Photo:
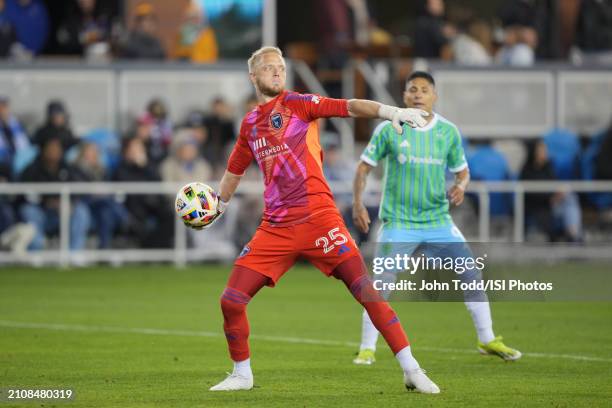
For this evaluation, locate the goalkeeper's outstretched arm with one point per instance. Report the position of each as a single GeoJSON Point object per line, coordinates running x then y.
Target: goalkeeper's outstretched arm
{"type": "Point", "coordinates": [362, 108]}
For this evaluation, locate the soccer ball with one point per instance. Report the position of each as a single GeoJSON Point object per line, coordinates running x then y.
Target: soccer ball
{"type": "Point", "coordinates": [196, 204]}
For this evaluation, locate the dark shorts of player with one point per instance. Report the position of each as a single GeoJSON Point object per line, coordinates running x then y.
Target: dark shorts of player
{"type": "Point", "coordinates": [323, 240]}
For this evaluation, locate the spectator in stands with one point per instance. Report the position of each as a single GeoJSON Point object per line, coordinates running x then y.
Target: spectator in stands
{"type": "Point", "coordinates": [12, 137]}
{"type": "Point", "coordinates": [7, 213]}
{"type": "Point", "coordinates": [518, 49]}
{"type": "Point", "coordinates": [43, 211]}
{"type": "Point", "coordinates": [196, 41]}
{"type": "Point", "coordinates": [85, 29]}
{"type": "Point", "coordinates": [151, 218]}
{"type": "Point", "coordinates": [195, 123]}
{"type": "Point", "coordinates": [558, 214]}
{"type": "Point", "coordinates": [13, 235]}
{"type": "Point", "coordinates": [603, 160]}
{"type": "Point", "coordinates": [154, 128]}
{"type": "Point", "coordinates": [107, 214]}
{"type": "Point", "coordinates": [488, 164]}
{"type": "Point", "coordinates": [184, 163]}
{"type": "Point", "coordinates": [473, 43]}
{"type": "Point", "coordinates": [8, 35]}
{"type": "Point", "coordinates": [142, 41]}
{"type": "Point", "coordinates": [519, 20]}
{"type": "Point", "coordinates": [333, 31]}
{"type": "Point", "coordinates": [594, 27]}
{"type": "Point", "coordinates": [31, 22]}
{"type": "Point", "coordinates": [220, 131]}
{"type": "Point", "coordinates": [432, 33]}
{"type": "Point", "coordinates": [57, 126]}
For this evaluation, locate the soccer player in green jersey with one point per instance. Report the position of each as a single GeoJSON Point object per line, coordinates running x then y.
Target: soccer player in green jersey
{"type": "Point", "coordinates": [415, 207]}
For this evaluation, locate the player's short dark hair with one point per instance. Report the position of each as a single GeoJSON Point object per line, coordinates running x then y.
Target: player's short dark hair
{"type": "Point", "coordinates": [422, 74]}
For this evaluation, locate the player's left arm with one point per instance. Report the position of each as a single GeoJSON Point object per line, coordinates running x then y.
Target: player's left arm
{"type": "Point", "coordinates": [362, 108]}
{"type": "Point", "coordinates": [458, 165]}
{"type": "Point", "coordinates": [312, 107]}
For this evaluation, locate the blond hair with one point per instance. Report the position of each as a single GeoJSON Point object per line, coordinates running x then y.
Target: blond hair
{"type": "Point", "coordinates": [257, 55]}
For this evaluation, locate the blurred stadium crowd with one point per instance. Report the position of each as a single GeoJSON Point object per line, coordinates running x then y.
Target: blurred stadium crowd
{"type": "Point", "coordinates": [517, 32]}
{"type": "Point", "coordinates": [196, 147]}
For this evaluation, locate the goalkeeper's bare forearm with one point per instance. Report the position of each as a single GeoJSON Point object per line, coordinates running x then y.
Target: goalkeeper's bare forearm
{"type": "Point", "coordinates": [228, 185]}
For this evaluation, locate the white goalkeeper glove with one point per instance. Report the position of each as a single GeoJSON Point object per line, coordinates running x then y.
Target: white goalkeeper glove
{"type": "Point", "coordinates": [413, 117]}
{"type": "Point", "coordinates": [221, 206]}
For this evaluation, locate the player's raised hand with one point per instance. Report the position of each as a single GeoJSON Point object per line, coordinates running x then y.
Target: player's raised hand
{"type": "Point", "coordinates": [413, 117]}
{"type": "Point", "coordinates": [221, 206]}
{"type": "Point", "coordinates": [361, 218]}
{"type": "Point", "coordinates": [398, 116]}
{"type": "Point", "coordinates": [456, 194]}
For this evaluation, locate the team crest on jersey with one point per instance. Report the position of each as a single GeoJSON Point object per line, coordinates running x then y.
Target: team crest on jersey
{"type": "Point", "coordinates": [276, 120]}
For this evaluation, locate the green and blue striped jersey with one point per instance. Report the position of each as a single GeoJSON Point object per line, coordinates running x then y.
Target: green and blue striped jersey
{"type": "Point", "coordinates": [415, 162]}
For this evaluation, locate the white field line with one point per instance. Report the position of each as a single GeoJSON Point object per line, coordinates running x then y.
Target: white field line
{"type": "Point", "coordinates": [281, 339]}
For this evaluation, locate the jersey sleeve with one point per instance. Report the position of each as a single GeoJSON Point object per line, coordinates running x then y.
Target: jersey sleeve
{"type": "Point", "coordinates": [377, 148]}
{"type": "Point", "coordinates": [310, 106]}
{"type": "Point", "coordinates": [456, 156]}
{"type": "Point", "coordinates": [241, 156]}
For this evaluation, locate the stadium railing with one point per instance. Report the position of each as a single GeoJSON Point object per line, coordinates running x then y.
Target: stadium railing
{"type": "Point", "coordinates": [180, 255]}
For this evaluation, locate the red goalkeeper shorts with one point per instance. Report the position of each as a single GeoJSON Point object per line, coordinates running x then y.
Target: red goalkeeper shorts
{"type": "Point", "coordinates": [324, 241]}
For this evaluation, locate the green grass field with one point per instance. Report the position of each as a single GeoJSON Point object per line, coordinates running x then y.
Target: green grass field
{"type": "Point", "coordinates": [150, 336]}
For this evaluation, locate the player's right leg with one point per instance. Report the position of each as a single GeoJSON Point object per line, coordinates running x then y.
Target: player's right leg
{"type": "Point", "coordinates": [369, 333]}
{"type": "Point", "coordinates": [243, 284]}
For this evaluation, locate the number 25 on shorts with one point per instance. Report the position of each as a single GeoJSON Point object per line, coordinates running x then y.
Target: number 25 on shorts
{"type": "Point", "coordinates": [335, 238]}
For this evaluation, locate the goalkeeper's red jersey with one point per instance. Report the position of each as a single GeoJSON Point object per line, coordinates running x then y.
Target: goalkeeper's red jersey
{"type": "Point", "coordinates": [283, 137]}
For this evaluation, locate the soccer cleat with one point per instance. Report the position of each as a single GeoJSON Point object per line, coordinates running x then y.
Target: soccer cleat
{"type": "Point", "coordinates": [234, 382]}
{"type": "Point", "coordinates": [417, 380]}
{"type": "Point", "coordinates": [497, 347]}
{"type": "Point", "coordinates": [365, 357]}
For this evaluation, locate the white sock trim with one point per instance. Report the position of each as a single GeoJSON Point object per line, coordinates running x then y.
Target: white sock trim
{"type": "Point", "coordinates": [243, 368]}
{"type": "Point", "coordinates": [406, 360]}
